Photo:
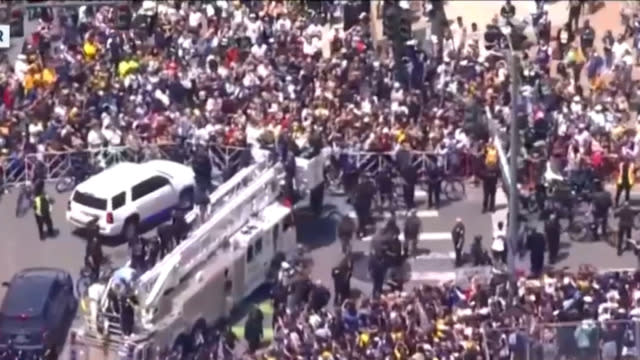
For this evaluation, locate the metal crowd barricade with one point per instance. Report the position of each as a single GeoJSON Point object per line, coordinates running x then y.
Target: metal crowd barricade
{"type": "Point", "coordinates": [15, 169]}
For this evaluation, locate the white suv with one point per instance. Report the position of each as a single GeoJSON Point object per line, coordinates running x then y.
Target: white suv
{"type": "Point", "coordinates": [129, 198]}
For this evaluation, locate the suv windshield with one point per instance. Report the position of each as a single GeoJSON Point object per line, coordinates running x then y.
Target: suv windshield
{"type": "Point", "coordinates": [89, 200]}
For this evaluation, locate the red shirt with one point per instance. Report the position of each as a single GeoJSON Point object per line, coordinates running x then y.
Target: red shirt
{"type": "Point", "coordinates": [7, 98]}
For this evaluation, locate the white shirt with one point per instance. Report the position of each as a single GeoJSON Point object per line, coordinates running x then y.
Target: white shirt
{"type": "Point", "coordinates": [284, 24]}
{"type": "Point", "coordinates": [94, 139]}
{"type": "Point", "coordinates": [258, 50]}
{"type": "Point", "coordinates": [498, 240]}
{"type": "Point", "coordinates": [254, 28]}
{"type": "Point", "coordinates": [35, 129]}
{"type": "Point", "coordinates": [112, 135]}
{"type": "Point", "coordinates": [196, 19]}
{"type": "Point", "coordinates": [619, 48]}
{"type": "Point", "coordinates": [20, 69]}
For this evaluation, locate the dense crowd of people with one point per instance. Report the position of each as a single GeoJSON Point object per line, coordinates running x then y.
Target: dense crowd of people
{"type": "Point", "coordinates": [268, 74]}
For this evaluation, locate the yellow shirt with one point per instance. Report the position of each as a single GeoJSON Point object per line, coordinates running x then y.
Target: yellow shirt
{"type": "Point", "coordinates": [48, 76]}
{"type": "Point", "coordinates": [90, 50]}
{"type": "Point", "coordinates": [29, 82]}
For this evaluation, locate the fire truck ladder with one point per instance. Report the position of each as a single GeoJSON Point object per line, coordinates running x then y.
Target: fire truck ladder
{"type": "Point", "coordinates": [232, 205]}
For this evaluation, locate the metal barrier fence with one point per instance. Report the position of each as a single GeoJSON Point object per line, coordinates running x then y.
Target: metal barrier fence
{"type": "Point", "coordinates": [15, 170]}
{"type": "Point", "coordinates": [18, 169]}
{"type": "Point", "coordinates": [583, 340]}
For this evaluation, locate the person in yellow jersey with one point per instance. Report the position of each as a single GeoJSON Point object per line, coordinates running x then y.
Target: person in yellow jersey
{"type": "Point", "coordinates": [90, 49]}
{"type": "Point", "coordinates": [625, 181]}
{"type": "Point", "coordinates": [42, 210]}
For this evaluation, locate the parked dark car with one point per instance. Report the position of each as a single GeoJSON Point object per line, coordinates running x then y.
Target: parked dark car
{"type": "Point", "coordinates": [37, 311]}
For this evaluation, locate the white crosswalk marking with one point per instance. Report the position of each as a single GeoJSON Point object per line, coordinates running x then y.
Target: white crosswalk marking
{"type": "Point", "coordinates": [425, 236]}
{"type": "Point", "coordinates": [422, 214]}
{"type": "Point", "coordinates": [435, 256]}
{"type": "Point", "coordinates": [420, 194]}
{"type": "Point", "coordinates": [433, 276]}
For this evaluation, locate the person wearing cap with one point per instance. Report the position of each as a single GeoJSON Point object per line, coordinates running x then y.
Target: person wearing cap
{"type": "Point", "coordinates": [346, 228]}
{"type": "Point", "coordinates": [42, 210]}
{"type": "Point", "coordinates": [625, 215]}
{"type": "Point", "coordinates": [499, 244]}
{"type": "Point", "coordinates": [341, 275]}
{"type": "Point", "coordinates": [552, 234]}
{"type": "Point", "coordinates": [602, 201]}
{"type": "Point", "coordinates": [434, 175]}
{"type": "Point", "coordinates": [93, 255]}
{"type": "Point", "coordinates": [536, 245]}
{"type": "Point", "coordinates": [457, 236]}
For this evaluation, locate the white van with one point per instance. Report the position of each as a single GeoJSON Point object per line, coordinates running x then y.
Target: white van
{"type": "Point", "coordinates": [128, 197]}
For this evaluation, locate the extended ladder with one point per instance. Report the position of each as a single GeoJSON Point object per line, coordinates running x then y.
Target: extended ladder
{"type": "Point", "coordinates": [232, 205]}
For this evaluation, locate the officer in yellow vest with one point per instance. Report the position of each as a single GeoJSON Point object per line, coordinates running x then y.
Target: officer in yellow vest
{"type": "Point", "coordinates": [626, 179]}
{"type": "Point", "coordinates": [42, 209]}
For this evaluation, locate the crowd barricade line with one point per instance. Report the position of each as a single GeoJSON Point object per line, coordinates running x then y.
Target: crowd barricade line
{"type": "Point", "coordinates": [16, 169]}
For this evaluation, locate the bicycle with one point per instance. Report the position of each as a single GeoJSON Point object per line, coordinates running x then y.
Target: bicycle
{"type": "Point", "coordinates": [584, 230]}
{"type": "Point", "coordinates": [86, 278]}
{"type": "Point", "coordinates": [73, 177]}
{"type": "Point", "coordinates": [453, 189]}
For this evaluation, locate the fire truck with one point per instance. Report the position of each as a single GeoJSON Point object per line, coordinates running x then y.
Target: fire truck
{"type": "Point", "coordinates": [222, 261]}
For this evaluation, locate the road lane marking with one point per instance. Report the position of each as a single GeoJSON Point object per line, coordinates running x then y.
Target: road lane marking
{"type": "Point", "coordinates": [425, 236]}
{"type": "Point", "coordinates": [422, 214]}
{"type": "Point", "coordinates": [433, 276]}
{"type": "Point", "coordinates": [436, 255]}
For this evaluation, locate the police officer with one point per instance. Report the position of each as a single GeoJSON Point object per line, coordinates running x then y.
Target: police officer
{"type": "Point", "coordinates": [457, 235]}
{"type": "Point", "coordinates": [179, 225]}
{"type": "Point", "coordinates": [153, 250]}
{"type": "Point", "coordinates": [434, 184]}
{"type": "Point", "coordinates": [587, 37]}
{"type": "Point", "coordinates": [93, 255]}
{"type": "Point", "coordinates": [138, 254]}
{"type": "Point", "coordinates": [477, 252]}
{"type": "Point", "coordinates": [362, 204]}
{"type": "Point", "coordinates": [378, 271]}
{"type": "Point", "coordinates": [201, 166]}
{"type": "Point", "coordinates": [391, 229]}
{"type": "Point", "coordinates": [42, 210]}
{"type": "Point", "coordinates": [384, 182]}
{"type": "Point", "coordinates": [127, 304]}
{"type": "Point", "coordinates": [536, 245]}
{"type": "Point", "coordinates": [625, 215]}
{"type": "Point", "coordinates": [489, 187]}
{"type": "Point", "coordinates": [341, 275]}
{"type": "Point", "coordinates": [290, 176]}
{"type": "Point", "coordinates": [552, 233]}
{"type": "Point", "coordinates": [165, 239]}
{"type": "Point", "coordinates": [253, 328]}
{"type": "Point", "coordinates": [346, 227]}
{"type": "Point", "coordinates": [626, 178]}
{"type": "Point", "coordinates": [602, 202]}
{"type": "Point", "coordinates": [508, 11]}
{"type": "Point", "coordinates": [410, 177]}
{"type": "Point", "coordinates": [411, 231]}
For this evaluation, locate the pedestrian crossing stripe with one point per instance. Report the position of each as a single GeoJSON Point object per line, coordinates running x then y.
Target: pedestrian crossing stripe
{"type": "Point", "coordinates": [437, 255]}
{"type": "Point", "coordinates": [423, 214]}
{"type": "Point", "coordinates": [433, 276]}
{"type": "Point", "coordinates": [425, 236]}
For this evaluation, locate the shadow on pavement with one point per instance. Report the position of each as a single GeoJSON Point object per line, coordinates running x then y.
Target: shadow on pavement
{"type": "Point", "coordinates": [315, 232]}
